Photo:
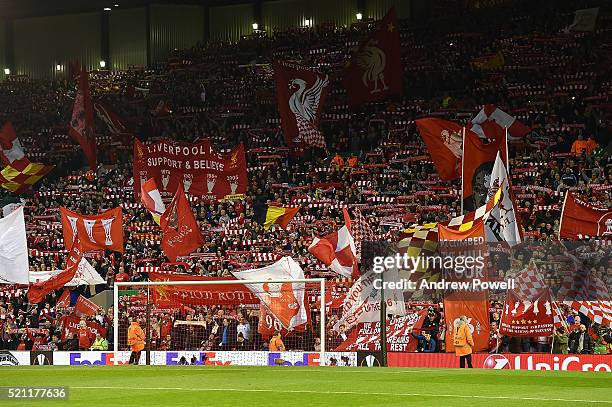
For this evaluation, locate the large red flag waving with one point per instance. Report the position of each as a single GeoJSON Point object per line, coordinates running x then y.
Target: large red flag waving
{"type": "Point", "coordinates": [300, 93]}
{"type": "Point", "coordinates": [38, 291]}
{"type": "Point", "coordinates": [81, 127]}
{"type": "Point", "coordinates": [443, 139]}
{"type": "Point", "coordinates": [478, 161]}
{"type": "Point", "coordinates": [374, 71]}
{"type": "Point", "coordinates": [581, 219]}
{"type": "Point", "coordinates": [181, 232]}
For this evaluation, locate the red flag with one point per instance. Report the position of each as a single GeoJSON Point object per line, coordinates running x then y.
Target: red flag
{"type": "Point", "coordinates": [38, 291]}
{"type": "Point", "coordinates": [374, 71]}
{"type": "Point", "coordinates": [443, 139]}
{"type": "Point", "coordinates": [529, 309]}
{"type": "Point", "coordinates": [301, 93]}
{"type": "Point", "coordinates": [81, 127]}
{"type": "Point", "coordinates": [478, 161]}
{"type": "Point", "coordinates": [181, 231]}
{"type": "Point", "coordinates": [337, 250]}
{"type": "Point", "coordinates": [64, 300]}
{"type": "Point", "coordinates": [115, 123]}
{"type": "Point", "coordinates": [477, 313]}
{"type": "Point", "coordinates": [581, 219]}
{"type": "Point", "coordinates": [85, 307]}
{"type": "Point", "coordinates": [101, 231]}
{"type": "Point", "coordinates": [492, 122]}
{"type": "Point", "coordinates": [11, 151]}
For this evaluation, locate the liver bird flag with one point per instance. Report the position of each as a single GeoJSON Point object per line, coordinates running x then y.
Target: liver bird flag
{"type": "Point", "coordinates": [300, 93]}
{"type": "Point", "coordinates": [374, 71]}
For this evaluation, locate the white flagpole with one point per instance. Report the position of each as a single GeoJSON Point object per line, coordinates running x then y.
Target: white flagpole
{"type": "Point", "coordinates": [562, 211]}
{"type": "Point", "coordinates": [462, 169]}
{"type": "Point", "coordinates": [507, 154]}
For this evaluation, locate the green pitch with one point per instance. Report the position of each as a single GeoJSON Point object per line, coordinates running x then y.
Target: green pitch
{"type": "Point", "coordinates": [101, 386]}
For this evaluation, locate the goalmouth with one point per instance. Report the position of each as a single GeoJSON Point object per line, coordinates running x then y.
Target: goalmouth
{"type": "Point", "coordinates": [192, 319]}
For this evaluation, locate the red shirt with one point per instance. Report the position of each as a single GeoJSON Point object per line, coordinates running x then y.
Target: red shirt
{"type": "Point", "coordinates": [85, 338]}
{"type": "Point", "coordinates": [121, 277]}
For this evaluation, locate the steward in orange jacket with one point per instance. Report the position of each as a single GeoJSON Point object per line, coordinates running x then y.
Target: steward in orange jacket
{"type": "Point", "coordinates": [136, 339]}
{"type": "Point", "coordinates": [462, 338]}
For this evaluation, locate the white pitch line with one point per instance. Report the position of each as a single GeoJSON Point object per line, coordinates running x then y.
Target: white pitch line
{"type": "Point", "coordinates": [356, 393]}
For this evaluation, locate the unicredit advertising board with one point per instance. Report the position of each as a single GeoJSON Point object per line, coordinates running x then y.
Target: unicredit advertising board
{"type": "Point", "coordinates": [523, 361]}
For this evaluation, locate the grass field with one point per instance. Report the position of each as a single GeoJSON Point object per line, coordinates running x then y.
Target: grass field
{"type": "Point", "coordinates": [101, 386]}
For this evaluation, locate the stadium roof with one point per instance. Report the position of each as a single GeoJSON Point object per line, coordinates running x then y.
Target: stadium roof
{"type": "Point", "coordinates": [31, 8]}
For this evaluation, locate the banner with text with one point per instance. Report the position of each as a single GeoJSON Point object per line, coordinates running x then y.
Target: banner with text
{"type": "Point", "coordinates": [202, 170]}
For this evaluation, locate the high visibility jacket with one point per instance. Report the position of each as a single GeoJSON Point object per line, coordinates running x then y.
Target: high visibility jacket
{"type": "Point", "coordinates": [462, 338]}
{"type": "Point", "coordinates": [136, 337]}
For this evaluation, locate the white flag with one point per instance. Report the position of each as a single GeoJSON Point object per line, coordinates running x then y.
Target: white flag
{"type": "Point", "coordinates": [501, 225]}
{"type": "Point", "coordinates": [14, 264]}
{"type": "Point", "coordinates": [362, 302]}
{"type": "Point", "coordinates": [85, 275]}
{"type": "Point", "coordinates": [284, 300]}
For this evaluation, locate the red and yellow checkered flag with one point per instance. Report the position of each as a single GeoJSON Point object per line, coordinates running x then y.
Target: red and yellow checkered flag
{"type": "Point", "coordinates": [18, 181]}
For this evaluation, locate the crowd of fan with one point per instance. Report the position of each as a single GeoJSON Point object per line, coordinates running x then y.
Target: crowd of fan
{"type": "Point", "coordinates": [556, 82]}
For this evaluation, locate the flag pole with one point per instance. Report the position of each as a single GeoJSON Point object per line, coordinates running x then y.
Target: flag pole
{"type": "Point", "coordinates": [561, 216]}
{"type": "Point", "coordinates": [507, 153]}
{"type": "Point", "coordinates": [462, 161]}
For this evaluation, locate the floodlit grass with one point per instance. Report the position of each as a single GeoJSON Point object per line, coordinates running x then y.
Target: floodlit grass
{"type": "Point", "coordinates": [100, 386]}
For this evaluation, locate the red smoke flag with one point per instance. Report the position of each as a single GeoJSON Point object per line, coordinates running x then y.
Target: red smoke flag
{"type": "Point", "coordinates": [102, 231]}
{"type": "Point", "coordinates": [337, 250]}
{"type": "Point", "coordinates": [301, 93]}
{"type": "Point", "coordinates": [81, 126]}
{"type": "Point", "coordinates": [492, 122]}
{"type": "Point", "coordinates": [477, 164]}
{"type": "Point", "coordinates": [443, 139]}
{"type": "Point", "coordinates": [581, 219]}
{"type": "Point", "coordinates": [11, 151]}
{"type": "Point", "coordinates": [84, 306]}
{"type": "Point", "coordinates": [181, 231]}
{"type": "Point", "coordinates": [38, 291]}
{"type": "Point", "coordinates": [374, 71]}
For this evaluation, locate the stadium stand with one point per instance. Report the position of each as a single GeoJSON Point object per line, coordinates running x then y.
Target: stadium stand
{"type": "Point", "coordinates": [555, 81]}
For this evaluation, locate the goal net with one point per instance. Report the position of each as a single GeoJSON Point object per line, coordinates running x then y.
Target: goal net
{"type": "Point", "coordinates": [222, 322]}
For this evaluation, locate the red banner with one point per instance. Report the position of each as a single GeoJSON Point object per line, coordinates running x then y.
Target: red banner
{"type": "Point", "coordinates": [300, 93]}
{"type": "Point", "coordinates": [201, 170]}
{"type": "Point", "coordinates": [527, 318]}
{"type": "Point", "coordinates": [581, 219]}
{"type": "Point", "coordinates": [207, 294]}
{"type": "Point", "coordinates": [85, 307]}
{"type": "Point", "coordinates": [102, 231]}
{"type": "Point", "coordinates": [477, 313]}
{"type": "Point", "coordinates": [366, 336]}
{"type": "Point", "coordinates": [81, 127]}
{"type": "Point", "coordinates": [374, 71]}
{"type": "Point", "coordinates": [71, 326]}
{"type": "Point", "coordinates": [524, 361]}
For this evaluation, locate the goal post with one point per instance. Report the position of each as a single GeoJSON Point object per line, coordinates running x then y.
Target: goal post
{"type": "Point", "coordinates": [147, 291]}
